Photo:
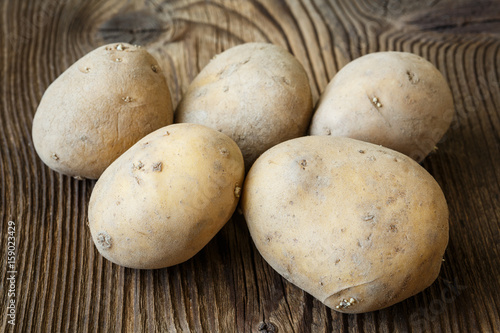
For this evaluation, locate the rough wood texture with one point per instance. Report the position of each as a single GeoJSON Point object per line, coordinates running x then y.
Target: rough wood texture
{"type": "Point", "coordinates": [63, 285]}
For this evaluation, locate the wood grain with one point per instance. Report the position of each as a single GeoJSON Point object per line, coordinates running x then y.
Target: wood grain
{"type": "Point", "coordinates": [64, 285]}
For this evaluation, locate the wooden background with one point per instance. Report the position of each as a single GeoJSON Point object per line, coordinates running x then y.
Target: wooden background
{"type": "Point", "coordinates": [63, 285]}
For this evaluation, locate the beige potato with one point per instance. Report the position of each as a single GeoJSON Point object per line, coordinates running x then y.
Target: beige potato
{"type": "Point", "coordinates": [98, 108]}
{"type": "Point", "coordinates": [395, 99]}
{"type": "Point", "coordinates": [358, 226]}
{"type": "Point", "coordinates": [162, 201]}
{"type": "Point", "coordinates": [258, 94]}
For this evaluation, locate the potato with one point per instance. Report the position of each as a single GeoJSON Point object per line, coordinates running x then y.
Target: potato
{"type": "Point", "coordinates": [258, 94]}
{"type": "Point", "coordinates": [162, 201]}
{"type": "Point", "coordinates": [98, 108]}
{"type": "Point", "coordinates": [358, 226]}
{"type": "Point", "coordinates": [395, 99]}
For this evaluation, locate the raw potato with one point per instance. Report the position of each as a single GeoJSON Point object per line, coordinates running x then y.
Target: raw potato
{"type": "Point", "coordinates": [100, 107]}
{"type": "Point", "coordinates": [163, 200]}
{"type": "Point", "coordinates": [258, 94]}
{"type": "Point", "coordinates": [358, 226]}
{"type": "Point", "coordinates": [395, 99]}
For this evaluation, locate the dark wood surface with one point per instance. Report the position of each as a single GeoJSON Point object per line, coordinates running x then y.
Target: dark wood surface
{"type": "Point", "coordinates": [64, 285]}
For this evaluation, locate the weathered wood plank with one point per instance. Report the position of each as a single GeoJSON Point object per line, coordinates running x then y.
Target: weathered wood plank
{"type": "Point", "coordinates": [64, 285]}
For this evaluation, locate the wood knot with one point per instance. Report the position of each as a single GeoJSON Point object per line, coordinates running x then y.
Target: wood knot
{"type": "Point", "coordinates": [139, 27]}
{"type": "Point", "coordinates": [264, 327]}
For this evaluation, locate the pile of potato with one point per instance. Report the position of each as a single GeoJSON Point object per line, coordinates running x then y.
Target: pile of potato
{"type": "Point", "coordinates": [346, 213]}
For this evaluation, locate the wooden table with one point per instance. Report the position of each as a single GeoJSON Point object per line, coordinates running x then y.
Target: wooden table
{"type": "Point", "coordinates": [64, 285]}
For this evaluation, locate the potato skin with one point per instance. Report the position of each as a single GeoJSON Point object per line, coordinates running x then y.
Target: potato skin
{"type": "Point", "coordinates": [98, 108]}
{"type": "Point", "coordinates": [343, 219]}
{"type": "Point", "coordinates": [258, 94]}
{"type": "Point", "coordinates": [162, 201]}
{"type": "Point", "coordinates": [395, 99]}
